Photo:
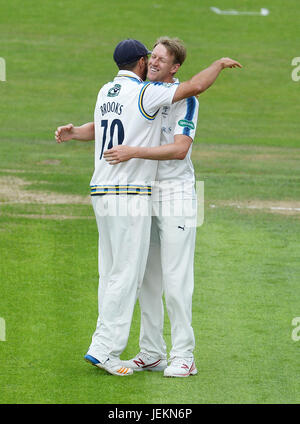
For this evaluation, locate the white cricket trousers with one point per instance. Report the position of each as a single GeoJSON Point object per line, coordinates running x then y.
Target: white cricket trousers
{"type": "Point", "coordinates": [169, 270]}
{"type": "Point", "coordinates": [123, 249]}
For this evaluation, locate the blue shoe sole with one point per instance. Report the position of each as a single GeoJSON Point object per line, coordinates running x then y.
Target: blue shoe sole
{"type": "Point", "coordinates": [91, 360]}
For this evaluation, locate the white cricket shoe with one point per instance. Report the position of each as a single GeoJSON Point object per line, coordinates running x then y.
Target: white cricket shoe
{"type": "Point", "coordinates": [144, 362]}
{"type": "Point", "coordinates": [181, 367]}
{"type": "Point", "coordinates": [114, 367]}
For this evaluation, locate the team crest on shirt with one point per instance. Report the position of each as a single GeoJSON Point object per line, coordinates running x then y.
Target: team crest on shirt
{"type": "Point", "coordinates": [186, 123]}
{"type": "Point", "coordinates": [165, 110]}
{"type": "Point", "coordinates": [114, 91]}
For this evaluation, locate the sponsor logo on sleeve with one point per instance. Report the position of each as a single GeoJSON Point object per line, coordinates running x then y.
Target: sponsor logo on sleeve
{"type": "Point", "coordinates": [186, 123]}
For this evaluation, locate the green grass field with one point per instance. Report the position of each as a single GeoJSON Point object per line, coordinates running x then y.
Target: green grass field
{"type": "Point", "coordinates": [247, 151]}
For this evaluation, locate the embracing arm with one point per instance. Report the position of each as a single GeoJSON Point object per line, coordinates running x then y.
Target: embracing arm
{"type": "Point", "coordinates": [176, 150]}
{"type": "Point", "coordinates": [68, 132]}
{"type": "Point", "coordinates": [204, 79]}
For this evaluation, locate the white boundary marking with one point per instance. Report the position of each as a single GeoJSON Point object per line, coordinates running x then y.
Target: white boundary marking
{"type": "Point", "coordinates": [262, 12]}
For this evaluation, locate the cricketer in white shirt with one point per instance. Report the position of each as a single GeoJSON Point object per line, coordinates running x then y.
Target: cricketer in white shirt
{"type": "Point", "coordinates": [170, 263]}
{"type": "Point", "coordinates": [127, 112]}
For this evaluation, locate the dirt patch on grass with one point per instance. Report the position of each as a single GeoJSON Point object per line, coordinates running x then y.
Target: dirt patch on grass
{"type": "Point", "coordinates": [283, 207]}
{"type": "Point", "coordinates": [13, 190]}
{"type": "Point", "coordinates": [52, 217]}
{"type": "Point", "coordinates": [49, 162]}
{"type": "Point", "coordinates": [13, 171]}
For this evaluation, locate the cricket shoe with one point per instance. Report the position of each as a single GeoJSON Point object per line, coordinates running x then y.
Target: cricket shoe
{"type": "Point", "coordinates": [113, 367]}
{"type": "Point", "coordinates": [145, 362]}
{"type": "Point", "coordinates": [181, 367]}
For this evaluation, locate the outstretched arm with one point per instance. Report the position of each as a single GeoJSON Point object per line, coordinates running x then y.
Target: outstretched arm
{"type": "Point", "coordinates": [68, 132]}
{"type": "Point", "coordinates": [204, 79]}
{"type": "Point", "coordinates": [176, 150]}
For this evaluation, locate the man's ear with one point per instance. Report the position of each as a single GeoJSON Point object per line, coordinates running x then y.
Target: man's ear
{"type": "Point", "coordinates": [175, 68]}
{"type": "Point", "coordinates": [142, 61]}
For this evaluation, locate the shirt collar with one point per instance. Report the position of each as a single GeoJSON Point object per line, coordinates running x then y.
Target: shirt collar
{"type": "Point", "coordinates": [124, 73]}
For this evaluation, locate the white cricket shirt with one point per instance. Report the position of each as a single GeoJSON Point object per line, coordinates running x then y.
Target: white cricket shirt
{"type": "Point", "coordinates": [128, 112]}
{"type": "Point", "coordinates": [175, 178]}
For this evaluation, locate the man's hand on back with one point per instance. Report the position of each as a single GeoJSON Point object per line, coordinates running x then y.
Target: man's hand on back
{"type": "Point", "coordinates": [119, 154]}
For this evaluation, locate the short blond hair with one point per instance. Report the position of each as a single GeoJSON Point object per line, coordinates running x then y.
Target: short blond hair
{"type": "Point", "coordinates": [174, 46]}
